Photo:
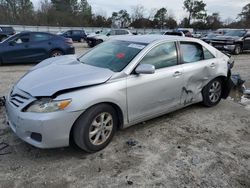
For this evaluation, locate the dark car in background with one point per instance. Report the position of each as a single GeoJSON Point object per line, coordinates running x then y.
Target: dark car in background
{"type": "Point", "coordinates": [75, 35]}
{"type": "Point", "coordinates": [233, 41]}
{"type": "Point", "coordinates": [5, 32]}
{"type": "Point", "coordinates": [31, 47]}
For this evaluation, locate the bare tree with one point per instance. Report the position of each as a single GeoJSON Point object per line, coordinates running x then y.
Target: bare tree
{"type": "Point", "coordinates": [138, 12]}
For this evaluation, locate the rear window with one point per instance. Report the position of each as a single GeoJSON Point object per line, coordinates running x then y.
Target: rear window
{"type": "Point", "coordinates": [114, 55]}
{"type": "Point", "coordinates": [191, 52]}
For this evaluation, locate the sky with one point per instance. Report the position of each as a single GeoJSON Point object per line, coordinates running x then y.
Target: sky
{"type": "Point", "coordinates": [226, 8]}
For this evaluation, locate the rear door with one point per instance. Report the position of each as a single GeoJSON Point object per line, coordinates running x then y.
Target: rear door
{"type": "Point", "coordinates": [151, 94]}
{"type": "Point", "coordinates": [41, 45]}
{"type": "Point", "coordinates": [199, 67]}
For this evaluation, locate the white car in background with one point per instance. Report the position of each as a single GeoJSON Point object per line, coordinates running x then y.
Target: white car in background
{"type": "Point", "coordinates": [94, 40]}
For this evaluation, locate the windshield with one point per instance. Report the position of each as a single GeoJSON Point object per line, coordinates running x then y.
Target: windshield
{"type": "Point", "coordinates": [236, 33]}
{"type": "Point", "coordinates": [114, 55]}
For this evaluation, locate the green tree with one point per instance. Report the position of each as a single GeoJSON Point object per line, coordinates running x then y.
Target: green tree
{"type": "Point", "coordinates": [120, 19]}
{"type": "Point", "coordinates": [171, 23]}
{"type": "Point", "coordinates": [85, 11]}
{"type": "Point", "coordinates": [161, 17]}
{"type": "Point", "coordinates": [245, 15]}
{"type": "Point", "coordinates": [213, 21]}
{"type": "Point", "coordinates": [25, 11]}
{"type": "Point", "coordinates": [195, 9]}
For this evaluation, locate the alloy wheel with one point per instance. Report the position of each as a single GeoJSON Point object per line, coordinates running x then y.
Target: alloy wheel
{"type": "Point", "coordinates": [215, 91]}
{"type": "Point", "coordinates": [101, 128]}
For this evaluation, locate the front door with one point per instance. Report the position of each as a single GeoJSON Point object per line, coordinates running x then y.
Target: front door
{"type": "Point", "coordinates": [19, 50]}
{"type": "Point", "coordinates": [246, 45]}
{"type": "Point", "coordinates": [151, 94]}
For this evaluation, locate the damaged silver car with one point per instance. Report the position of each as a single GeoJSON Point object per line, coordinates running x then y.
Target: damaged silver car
{"type": "Point", "coordinates": [117, 84]}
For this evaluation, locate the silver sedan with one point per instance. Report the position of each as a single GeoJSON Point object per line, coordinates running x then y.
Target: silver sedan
{"type": "Point", "coordinates": [117, 84]}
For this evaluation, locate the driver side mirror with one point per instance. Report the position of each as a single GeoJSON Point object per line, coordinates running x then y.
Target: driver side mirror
{"type": "Point", "coordinates": [108, 34]}
{"type": "Point", "coordinates": [145, 69]}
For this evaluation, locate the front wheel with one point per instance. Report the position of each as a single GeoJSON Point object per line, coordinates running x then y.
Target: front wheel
{"type": "Point", "coordinates": [95, 128]}
{"type": "Point", "coordinates": [237, 49]}
{"type": "Point", "coordinates": [212, 93]}
{"type": "Point", "coordinates": [56, 53]}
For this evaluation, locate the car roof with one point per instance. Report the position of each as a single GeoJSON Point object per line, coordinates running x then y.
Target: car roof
{"type": "Point", "coordinates": [152, 38]}
{"type": "Point", "coordinates": [35, 32]}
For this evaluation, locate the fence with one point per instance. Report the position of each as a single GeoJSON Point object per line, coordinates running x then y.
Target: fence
{"type": "Point", "coordinates": [52, 29]}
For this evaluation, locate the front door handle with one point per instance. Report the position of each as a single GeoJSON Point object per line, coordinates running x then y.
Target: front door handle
{"type": "Point", "coordinates": [177, 74]}
{"type": "Point", "coordinates": [213, 65]}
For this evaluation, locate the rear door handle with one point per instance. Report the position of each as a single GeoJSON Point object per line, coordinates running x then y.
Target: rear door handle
{"type": "Point", "coordinates": [177, 74]}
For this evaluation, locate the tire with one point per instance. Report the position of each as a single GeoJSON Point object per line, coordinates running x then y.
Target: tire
{"type": "Point", "coordinates": [91, 122]}
{"type": "Point", "coordinates": [99, 41]}
{"type": "Point", "coordinates": [56, 53]}
{"type": "Point", "coordinates": [237, 49]}
{"type": "Point", "coordinates": [212, 93]}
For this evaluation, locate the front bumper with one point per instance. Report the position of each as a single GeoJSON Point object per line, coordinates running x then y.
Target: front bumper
{"type": "Point", "coordinates": [225, 47]}
{"type": "Point", "coordinates": [53, 128]}
{"type": "Point", "coordinates": [70, 50]}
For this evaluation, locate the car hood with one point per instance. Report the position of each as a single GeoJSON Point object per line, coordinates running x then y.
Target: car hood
{"type": "Point", "coordinates": [61, 73]}
{"type": "Point", "coordinates": [226, 38]}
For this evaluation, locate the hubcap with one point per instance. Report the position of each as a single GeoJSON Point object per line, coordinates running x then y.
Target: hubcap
{"type": "Point", "coordinates": [101, 128]}
{"type": "Point", "coordinates": [215, 92]}
{"type": "Point", "coordinates": [55, 54]}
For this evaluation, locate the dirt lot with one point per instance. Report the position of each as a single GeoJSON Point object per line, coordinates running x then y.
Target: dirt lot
{"type": "Point", "coordinates": [193, 147]}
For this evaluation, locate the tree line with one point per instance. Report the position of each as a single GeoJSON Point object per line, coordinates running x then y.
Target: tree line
{"type": "Point", "coordinates": [80, 13]}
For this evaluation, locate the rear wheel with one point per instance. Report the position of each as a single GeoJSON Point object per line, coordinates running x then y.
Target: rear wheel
{"type": "Point", "coordinates": [237, 49]}
{"type": "Point", "coordinates": [56, 53]}
{"type": "Point", "coordinates": [212, 92]}
{"type": "Point", "coordinates": [95, 128]}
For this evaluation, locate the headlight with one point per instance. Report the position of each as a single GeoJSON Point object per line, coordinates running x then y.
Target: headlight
{"type": "Point", "coordinates": [230, 42]}
{"type": "Point", "coordinates": [46, 105]}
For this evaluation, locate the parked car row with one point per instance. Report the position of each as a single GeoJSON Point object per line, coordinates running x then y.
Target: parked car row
{"type": "Point", "coordinates": [100, 37]}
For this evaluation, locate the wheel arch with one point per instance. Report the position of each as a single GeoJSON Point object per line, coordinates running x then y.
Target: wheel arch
{"type": "Point", "coordinates": [226, 84]}
{"type": "Point", "coordinates": [117, 109]}
{"type": "Point", "coordinates": [54, 49]}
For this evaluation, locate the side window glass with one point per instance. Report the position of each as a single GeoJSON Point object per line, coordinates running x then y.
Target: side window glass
{"type": "Point", "coordinates": [22, 39]}
{"type": "Point", "coordinates": [207, 54]}
{"type": "Point", "coordinates": [117, 32]}
{"type": "Point", "coordinates": [191, 52]}
{"type": "Point", "coordinates": [164, 55]}
{"type": "Point", "coordinates": [76, 32]}
{"type": "Point", "coordinates": [40, 37]}
{"type": "Point", "coordinates": [112, 32]}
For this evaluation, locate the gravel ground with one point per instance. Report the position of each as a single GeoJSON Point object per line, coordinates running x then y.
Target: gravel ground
{"type": "Point", "coordinates": [192, 147]}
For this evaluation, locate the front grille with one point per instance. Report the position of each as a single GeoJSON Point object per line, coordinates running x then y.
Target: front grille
{"type": "Point", "coordinates": [19, 98]}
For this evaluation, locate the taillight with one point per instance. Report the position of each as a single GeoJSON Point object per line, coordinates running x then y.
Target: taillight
{"type": "Point", "coordinates": [69, 41]}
